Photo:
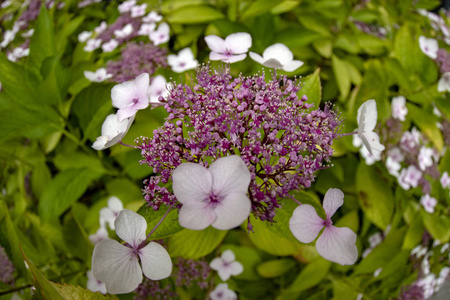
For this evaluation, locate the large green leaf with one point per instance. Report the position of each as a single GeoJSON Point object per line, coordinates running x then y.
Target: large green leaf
{"type": "Point", "coordinates": [168, 227]}
{"type": "Point", "coordinates": [53, 89]}
{"type": "Point", "coordinates": [403, 48]}
{"type": "Point", "coordinates": [426, 121]}
{"type": "Point", "coordinates": [275, 267]}
{"type": "Point", "coordinates": [342, 76]}
{"type": "Point", "coordinates": [437, 226]}
{"type": "Point", "coordinates": [259, 7]}
{"type": "Point", "coordinates": [194, 14]}
{"type": "Point", "coordinates": [312, 88]}
{"type": "Point", "coordinates": [70, 292]}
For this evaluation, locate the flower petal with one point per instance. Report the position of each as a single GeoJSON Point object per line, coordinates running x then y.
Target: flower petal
{"type": "Point", "coordinates": [116, 266]}
{"type": "Point", "coordinates": [236, 268]}
{"type": "Point", "coordinates": [115, 204]}
{"type": "Point", "coordinates": [338, 245]}
{"type": "Point", "coordinates": [230, 174]}
{"type": "Point", "coordinates": [122, 94]}
{"type": "Point", "coordinates": [215, 43]}
{"type": "Point", "coordinates": [256, 57]}
{"type": "Point", "coordinates": [191, 183]}
{"type": "Point", "coordinates": [334, 198]}
{"type": "Point", "coordinates": [196, 215]}
{"type": "Point", "coordinates": [232, 211]}
{"type": "Point", "coordinates": [305, 224]}
{"type": "Point", "coordinates": [367, 116]}
{"type": "Point", "coordinates": [156, 262]}
{"type": "Point", "coordinates": [279, 52]}
{"type": "Point", "coordinates": [131, 227]}
{"type": "Point", "coordinates": [292, 66]}
{"type": "Point", "coordinates": [228, 256]}
{"type": "Point", "coordinates": [372, 142]}
{"type": "Point", "coordinates": [238, 42]}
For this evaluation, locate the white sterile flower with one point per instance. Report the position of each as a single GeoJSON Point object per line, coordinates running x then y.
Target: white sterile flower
{"type": "Point", "coordinates": [84, 36]}
{"type": "Point", "coordinates": [157, 88]}
{"type": "Point", "coordinates": [184, 61]}
{"type": "Point", "coordinates": [444, 83]}
{"type": "Point", "coordinates": [110, 213]}
{"type": "Point", "coordinates": [98, 236]}
{"type": "Point", "coordinates": [425, 157]}
{"type": "Point", "coordinates": [409, 177]}
{"type": "Point", "coordinates": [160, 35]}
{"type": "Point", "coordinates": [226, 265]}
{"type": "Point", "coordinates": [429, 46]}
{"type": "Point", "coordinates": [152, 17]}
{"type": "Point", "coordinates": [126, 6]}
{"type": "Point", "coordinates": [146, 28]}
{"type": "Point", "coordinates": [277, 56]}
{"type": "Point", "coordinates": [445, 180]}
{"type": "Point", "coordinates": [393, 166]}
{"type": "Point", "coordinates": [216, 196]}
{"type": "Point", "coordinates": [367, 119]}
{"type": "Point", "coordinates": [428, 203]}
{"type": "Point", "coordinates": [399, 110]}
{"type": "Point", "coordinates": [110, 46]}
{"type": "Point", "coordinates": [98, 76]}
{"type": "Point", "coordinates": [370, 158]}
{"type": "Point", "coordinates": [8, 37]}
{"type": "Point", "coordinates": [120, 266]}
{"type": "Point", "coordinates": [234, 48]}
{"type": "Point", "coordinates": [375, 239]}
{"type": "Point", "coordinates": [130, 96]}
{"type": "Point", "coordinates": [92, 44]}
{"type": "Point", "coordinates": [113, 132]}
{"type": "Point", "coordinates": [29, 33]}
{"type": "Point", "coordinates": [95, 285]}
{"type": "Point", "coordinates": [5, 4]}
{"type": "Point", "coordinates": [124, 32]}
{"type": "Point", "coordinates": [336, 244]}
{"type": "Point", "coordinates": [18, 53]}
{"type": "Point", "coordinates": [100, 28]}
{"type": "Point", "coordinates": [396, 154]}
{"type": "Point", "coordinates": [138, 10]}
{"type": "Point", "coordinates": [377, 272]}
{"type": "Point", "coordinates": [222, 292]}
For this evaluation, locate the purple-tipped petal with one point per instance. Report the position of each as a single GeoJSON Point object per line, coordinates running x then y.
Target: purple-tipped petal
{"type": "Point", "coordinates": [232, 211]}
{"type": "Point", "coordinates": [196, 215]}
{"type": "Point", "coordinates": [131, 227]}
{"type": "Point", "coordinates": [156, 262]}
{"type": "Point", "coordinates": [191, 183]}
{"type": "Point", "coordinates": [334, 198]}
{"type": "Point", "coordinates": [305, 224]}
{"type": "Point", "coordinates": [338, 245]}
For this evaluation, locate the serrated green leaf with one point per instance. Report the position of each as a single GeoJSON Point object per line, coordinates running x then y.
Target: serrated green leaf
{"type": "Point", "coordinates": [194, 15]}
{"type": "Point", "coordinates": [312, 88]}
{"type": "Point", "coordinates": [275, 268]}
{"type": "Point", "coordinates": [168, 227]}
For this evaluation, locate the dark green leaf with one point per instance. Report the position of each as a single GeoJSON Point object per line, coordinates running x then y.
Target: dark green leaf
{"type": "Point", "coordinates": [312, 88]}
{"type": "Point", "coordinates": [194, 14]}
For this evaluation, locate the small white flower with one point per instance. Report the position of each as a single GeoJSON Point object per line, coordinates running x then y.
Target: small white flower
{"type": "Point", "coordinates": [110, 46]}
{"type": "Point", "coordinates": [399, 110]}
{"type": "Point", "coordinates": [5, 4]}
{"type": "Point", "coordinates": [84, 36]}
{"type": "Point", "coordinates": [375, 239]}
{"type": "Point", "coordinates": [409, 177]}
{"type": "Point", "coordinates": [29, 33]}
{"type": "Point", "coordinates": [8, 37]}
{"type": "Point", "coordinates": [226, 265]}
{"type": "Point", "coordinates": [393, 167]}
{"type": "Point", "coordinates": [138, 10]}
{"type": "Point", "coordinates": [160, 35]}
{"type": "Point", "coordinates": [113, 132]}
{"type": "Point", "coordinates": [445, 180]}
{"type": "Point", "coordinates": [183, 61]}
{"type": "Point", "coordinates": [146, 28]}
{"type": "Point", "coordinates": [109, 214]}
{"type": "Point", "coordinates": [152, 17]}
{"type": "Point", "coordinates": [100, 28]}
{"type": "Point", "coordinates": [444, 83]}
{"type": "Point", "coordinates": [97, 76]}
{"type": "Point", "coordinates": [124, 32]}
{"type": "Point", "coordinates": [126, 6]}
{"type": "Point", "coordinates": [429, 46]}
{"type": "Point", "coordinates": [95, 285]}
{"type": "Point", "coordinates": [222, 292]}
{"type": "Point", "coordinates": [99, 236]}
{"type": "Point", "coordinates": [425, 157]}
{"type": "Point", "coordinates": [277, 56]}
{"type": "Point", "coordinates": [157, 88]}
{"type": "Point", "coordinates": [377, 272]}
{"type": "Point", "coordinates": [367, 119]}
{"type": "Point", "coordinates": [120, 266]}
{"type": "Point", "coordinates": [428, 203]}
{"type": "Point", "coordinates": [92, 44]}
{"type": "Point", "coordinates": [18, 53]}
{"type": "Point", "coordinates": [370, 158]}
{"type": "Point", "coordinates": [234, 48]}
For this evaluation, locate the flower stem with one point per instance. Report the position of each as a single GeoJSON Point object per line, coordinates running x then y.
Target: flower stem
{"type": "Point", "coordinates": [159, 223]}
{"type": "Point", "coordinates": [126, 145]}
{"type": "Point", "coordinates": [348, 133]}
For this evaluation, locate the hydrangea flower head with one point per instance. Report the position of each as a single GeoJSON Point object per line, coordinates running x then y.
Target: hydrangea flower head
{"type": "Point", "coordinates": [226, 265]}
{"type": "Point", "coordinates": [367, 120]}
{"type": "Point", "coordinates": [113, 132]}
{"type": "Point", "coordinates": [429, 46]}
{"type": "Point", "coordinates": [120, 266]}
{"type": "Point", "coordinates": [232, 49]}
{"type": "Point", "coordinates": [336, 244]}
{"type": "Point", "coordinates": [277, 56]}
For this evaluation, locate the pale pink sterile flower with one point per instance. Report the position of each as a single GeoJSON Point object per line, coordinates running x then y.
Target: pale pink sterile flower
{"type": "Point", "coordinates": [157, 88]}
{"type": "Point", "coordinates": [445, 180]}
{"type": "Point", "coordinates": [231, 49]}
{"type": "Point", "coordinates": [100, 28]}
{"type": "Point", "coordinates": [146, 28]}
{"type": "Point", "coordinates": [409, 177]}
{"type": "Point", "coordinates": [124, 32]}
{"type": "Point", "coordinates": [425, 157]}
{"type": "Point", "coordinates": [399, 109]}
{"type": "Point", "coordinates": [97, 76]}
{"type": "Point", "coordinates": [226, 265]}
{"type": "Point", "coordinates": [138, 10]}
{"type": "Point", "coordinates": [222, 292]}
{"type": "Point", "coordinates": [109, 214]}
{"type": "Point", "coordinates": [113, 132]}
{"type": "Point", "coordinates": [184, 61]}
{"type": "Point", "coordinates": [367, 120]}
{"type": "Point", "coordinates": [8, 37]}
{"type": "Point", "coordinates": [216, 196]}
{"type": "Point", "coordinates": [429, 46]}
{"type": "Point", "coordinates": [126, 6]}
{"type": "Point", "coordinates": [428, 203]}
{"type": "Point", "coordinates": [130, 96]}
{"type": "Point", "coordinates": [98, 236]}
{"type": "Point", "coordinates": [120, 266]}
{"type": "Point", "coordinates": [84, 36]}
{"type": "Point", "coordinates": [152, 17]}
{"type": "Point", "coordinates": [28, 33]}
{"type": "Point", "coordinates": [277, 56]}
{"type": "Point", "coordinates": [92, 44]}
{"type": "Point", "coordinates": [17, 53]}
{"type": "Point", "coordinates": [336, 244]}
{"type": "Point", "coordinates": [160, 35]}
{"type": "Point", "coordinates": [110, 45]}
{"type": "Point", "coordinates": [393, 167]}
{"type": "Point", "coordinates": [444, 83]}
{"type": "Point", "coordinates": [95, 285]}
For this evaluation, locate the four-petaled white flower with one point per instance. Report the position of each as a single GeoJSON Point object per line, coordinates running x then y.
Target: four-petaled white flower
{"type": "Point", "coordinates": [216, 196]}
{"type": "Point", "coordinates": [100, 28]}
{"type": "Point", "coordinates": [277, 56]}
{"type": "Point", "coordinates": [428, 203]}
{"type": "Point", "coordinates": [409, 177]}
{"type": "Point", "coordinates": [110, 46]}
{"type": "Point", "coordinates": [97, 76]}
{"type": "Point", "coordinates": [367, 119]}
{"type": "Point", "coordinates": [98, 236]}
{"type": "Point", "coordinates": [226, 265]}
{"type": "Point", "coordinates": [113, 132]}
{"type": "Point", "coordinates": [336, 244]}
{"type": "Point", "coordinates": [95, 285]}
{"type": "Point", "coordinates": [138, 10]}
{"type": "Point", "coordinates": [152, 17]}
{"type": "Point", "coordinates": [445, 180]}
{"type": "Point", "coordinates": [399, 109]}
{"type": "Point", "coordinates": [130, 96]}
{"type": "Point", "coordinates": [109, 214]}
{"type": "Point", "coordinates": [92, 44]}
{"type": "Point", "coordinates": [160, 35]}
{"type": "Point", "coordinates": [126, 6]}
{"type": "Point", "coordinates": [222, 292]}
{"type": "Point", "coordinates": [157, 89]}
{"type": "Point", "coordinates": [183, 61]}
{"type": "Point", "coordinates": [444, 83]}
{"type": "Point", "coordinates": [234, 48]}
{"type": "Point", "coordinates": [425, 157]}
{"type": "Point", "coordinates": [118, 266]}
{"type": "Point", "coordinates": [84, 36]}
{"type": "Point", "coordinates": [146, 28]}
{"type": "Point", "coordinates": [124, 32]}
{"type": "Point", "coordinates": [429, 46]}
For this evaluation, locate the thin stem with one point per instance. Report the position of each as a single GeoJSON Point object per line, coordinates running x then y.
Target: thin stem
{"type": "Point", "coordinates": [126, 145]}
{"type": "Point", "coordinates": [296, 201]}
{"type": "Point", "coordinates": [159, 223]}
{"type": "Point", "coordinates": [348, 133]}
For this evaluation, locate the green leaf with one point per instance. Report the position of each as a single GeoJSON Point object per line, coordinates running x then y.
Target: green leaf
{"type": "Point", "coordinates": [275, 268]}
{"type": "Point", "coordinates": [124, 189]}
{"type": "Point", "coordinates": [374, 195]}
{"type": "Point", "coordinates": [194, 15]}
{"type": "Point", "coordinates": [249, 257]}
{"type": "Point", "coordinates": [195, 244]}
{"type": "Point", "coordinates": [310, 276]}
{"type": "Point", "coordinates": [342, 76]}
{"type": "Point", "coordinates": [76, 239]}
{"type": "Point", "coordinates": [426, 121]}
{"type": "Point", "coordinates": [291, 37]}
{"type": "Point", "coordinates": [437, 226]}
{"type": "Point", "coordinates": [404, 47]}
{"type": "Point", "coordinates": [53, 89]}
{"type": "Point", "coordinates": [168, 227]}
{"type": "Point", "coordinates": [259, 7]}
{"type": "Point", "coordinates": [414, 234]}
{"type": "Point", "coordinates": [324, 47]}
{"type": "Point", "coordinates": [70, 292]}
{"type": "Point", "coordinates": [69, 27]}
{"type": "Point", "coordinates": [312, 88]}
{"type": "Point", "coordinates": [75, 160]}
{"type": "Point", "coordinates": [40, 178]}
{"type": "Point", "coordinates": [64, 190]}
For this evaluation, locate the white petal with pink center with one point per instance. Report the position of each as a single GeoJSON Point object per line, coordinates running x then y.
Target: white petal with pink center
{"type": "Point", "coordinates": [184, 61]}
{"type": "Point", "coordinates": [160, 35]}
{"type": "Point", "coordinates": [429, 46]}
{"type": "Point", "coordinates": [98, 76]}
{"type": "Point", "coordinates": [231, 49]}
{"type": "Point", "coordinates": [226, 265]}
{"type": "Point", "coordinates": [277, 56]}
{"type": "Point", "coordinates": [222, 292]}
